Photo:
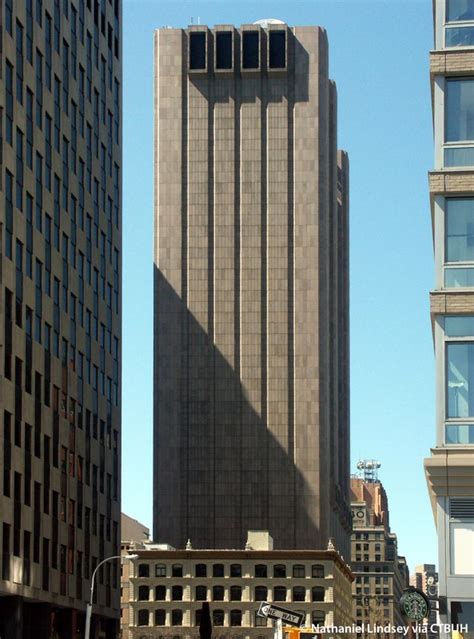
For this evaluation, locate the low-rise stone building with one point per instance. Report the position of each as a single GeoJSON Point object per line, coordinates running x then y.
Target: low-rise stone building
{"type": "Point", "coordinates": [167, 588]}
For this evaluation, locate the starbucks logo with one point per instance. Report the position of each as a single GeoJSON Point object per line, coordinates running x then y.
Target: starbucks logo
{"type": "Point", "coordinates": [414, 605]}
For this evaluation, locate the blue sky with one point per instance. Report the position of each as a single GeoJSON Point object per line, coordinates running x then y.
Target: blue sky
{"type": "Point", "coordinates": [379, 60]}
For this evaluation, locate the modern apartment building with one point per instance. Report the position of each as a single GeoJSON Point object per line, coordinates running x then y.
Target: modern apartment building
{"type": "Point", "coordinates": [167, 587]}
{"type": "Point", "coordinates": [251, 290]}
{"type": "Point", "coordinates": [450, 469]}
{"type": "Point", "coordinates": [60, 315]}
{"type": "Point", "coordinates": [381, 574]}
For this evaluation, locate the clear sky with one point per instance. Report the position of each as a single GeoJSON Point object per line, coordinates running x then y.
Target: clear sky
{"type": "Point", "coordinates": [379, 60]}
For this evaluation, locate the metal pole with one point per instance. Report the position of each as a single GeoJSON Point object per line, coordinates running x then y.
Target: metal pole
{"type": "Point", "coordinates": [89, 605]}
{"type": "Point", "coordinates": [279, 629]}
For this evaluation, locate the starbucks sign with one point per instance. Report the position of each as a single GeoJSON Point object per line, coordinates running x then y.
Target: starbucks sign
{"type": "Point", "coordinates": [414, 605]}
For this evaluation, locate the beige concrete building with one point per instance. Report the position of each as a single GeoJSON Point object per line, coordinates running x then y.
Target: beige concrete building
{"type": "Point", "coordinates": [450, 468]}
{"type": "Point", "coordinates": [380, 573]}
{"type": "Point", "coordinates": [251, 289]}
{"type": "Point", "coordinates": [168, 586]}
{"type": "Point", "coordinates": [133, 533]}
{"type": "Point", "coordinates": [60, 315]}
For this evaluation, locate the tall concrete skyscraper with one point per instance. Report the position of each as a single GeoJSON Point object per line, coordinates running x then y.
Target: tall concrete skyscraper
{"type": "Point", "coordinates": [450, 469]}
{"type": "Point", "coordinates": [60, 315]}
{"type": "Point", "coordinates": [251, 290]}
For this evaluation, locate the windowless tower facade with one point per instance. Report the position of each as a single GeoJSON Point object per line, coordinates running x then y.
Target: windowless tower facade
{"type": "Point", "coordinates": [251, 330]}
{"type": "Point", "coordinates": [450, 469]}
{"type": "Point", "coordinates": [60, 315]}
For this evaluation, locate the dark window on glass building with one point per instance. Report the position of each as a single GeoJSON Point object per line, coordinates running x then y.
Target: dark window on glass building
{"type": "Point", "coordinates": [277, 53]}
{"type": "Point", "coordinates": [224, 50]}
{"type": "Point", "coordinates": [250, 50]}
{"type": "Point", "coordinates": [197, 50]}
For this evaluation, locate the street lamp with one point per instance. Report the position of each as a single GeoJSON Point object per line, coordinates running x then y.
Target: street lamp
{"type": "Point", "coordinates": [89, 605]}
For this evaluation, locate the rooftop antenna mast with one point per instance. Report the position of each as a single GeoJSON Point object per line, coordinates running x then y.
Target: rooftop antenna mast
{"type": "Point", "coordinates": [369, 469]}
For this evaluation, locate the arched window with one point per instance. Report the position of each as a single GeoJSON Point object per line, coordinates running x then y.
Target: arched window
{"type": "Point", "coordinates": [279, 570]}
{"type": "Point", "coordinates": [235, 593]}
{"type": "Point", "coordinates": [218, 593]}
{"type": "Point", "coordinates": [259, 621]}
{"type": "Point", "coordinates": [177, 593]}
{"type": "Point", "coordinates": [176, 617]}
{"type": "Point", "coordinates": [299, 570]}
{"type": "Point", "coordinates": [260, 570]}
{"type": "Point", "coordinates": [299, 593]}
{"type": "Point", "coordinates": [317, 571]}
{"type": "Point", "coordinates": [217, 617]}
{"type": "Point", "coordinates": [318, 617]}
{"type": "Point", "coordinates": [200, 570]}
{"type": "Point", "coordinates": [160, 570]}
{"type": "Point", "coordinates": [218, 570]}
{"type": "Point", "coordinates": [279, 593]}
{"type": "Point", "coordinates": [177, 570]}
{"type": "Point", "coordinates": [235, 570]}
{"type": "Point", "coordinates": [198, 617]}
{"type": "Point", "coordinates": [143, 570]}
{"type": "Point", "coordinates": [143, 593]}
{"type": "Point", "coordinates": [143, 617]}
{"type": "Point", "coordinates": [201, 593]}
{"type": "Point", "coordinates": [160, 617]}
{"type": "Point", "coordinates": [160, 593]}
{"type": "Point", "coordinates": [261, 593]}
{"type": "Point", "coordinates": [235, 617]}
{"type": "Point", "coordinates": [317, 593]}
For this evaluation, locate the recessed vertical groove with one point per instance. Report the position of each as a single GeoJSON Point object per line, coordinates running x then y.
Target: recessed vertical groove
{"type": "Point", "coordinates": [184, 284]}
{"type": "Point", "coordinates": [237, 278]}
{"type": "Point", "coordinates": [264, 294]}
{"type": "Point", "coordinates": [210, 289]}
{"type": "Point", "coordinates": [291, 350]}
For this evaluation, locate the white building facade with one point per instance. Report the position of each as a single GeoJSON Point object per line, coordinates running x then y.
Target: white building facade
{"type": "Point", "coordinates": [450, 469]}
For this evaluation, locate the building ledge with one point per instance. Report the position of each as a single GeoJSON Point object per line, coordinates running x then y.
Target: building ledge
{"type": "Point", "coordinates": [452, 301]}
{"type": "Point", "coordinates": [449, 472]}
{"type": "Point", "coordinates": [456, 61]}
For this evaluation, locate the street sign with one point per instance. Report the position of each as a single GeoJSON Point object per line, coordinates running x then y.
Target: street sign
{"type": "Point", "coordinates": [271, 611]}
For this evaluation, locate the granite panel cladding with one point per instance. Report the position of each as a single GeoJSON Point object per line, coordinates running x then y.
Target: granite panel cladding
{"type": "Point", "coordinates": [251, 292]}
